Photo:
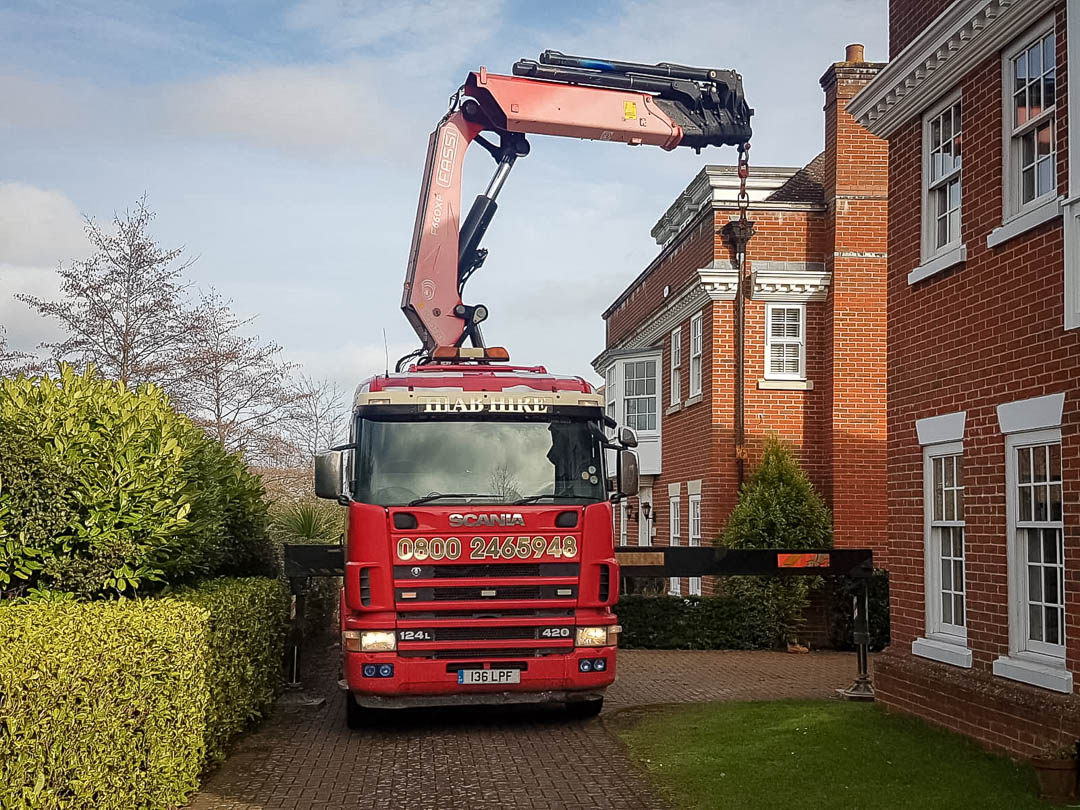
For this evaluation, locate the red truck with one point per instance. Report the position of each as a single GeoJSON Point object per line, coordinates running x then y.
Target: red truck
{"type": "Point", "coordinates": [479, 550]}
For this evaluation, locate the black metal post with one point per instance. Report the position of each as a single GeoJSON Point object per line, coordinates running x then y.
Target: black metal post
{"type": "Point", "coordinates": [862, 688]}
{"type": "Point", "coordinates": [298, 586]}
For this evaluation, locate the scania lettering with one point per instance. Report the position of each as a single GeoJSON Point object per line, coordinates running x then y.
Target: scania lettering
{"type": "Point", "coordinates": [479, 546]}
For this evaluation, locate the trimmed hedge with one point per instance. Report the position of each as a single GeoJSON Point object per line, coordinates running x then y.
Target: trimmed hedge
{"type": "Point", "coordinates": [693, 623]}
{"type": "Point", "coordinates": [120, 705]}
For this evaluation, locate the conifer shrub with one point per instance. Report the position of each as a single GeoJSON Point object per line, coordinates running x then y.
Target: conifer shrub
{"type": "Point", "coordinates": [777, 508]}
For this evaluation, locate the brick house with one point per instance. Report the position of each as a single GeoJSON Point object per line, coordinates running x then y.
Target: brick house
{"type": "Point", "coordinates": [983, 366]}
{"type": "Point", "coordinates": [814, 338]}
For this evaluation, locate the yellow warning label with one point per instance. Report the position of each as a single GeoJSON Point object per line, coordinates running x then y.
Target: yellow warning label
{"type": "Point", "coordinates": [629, 110]}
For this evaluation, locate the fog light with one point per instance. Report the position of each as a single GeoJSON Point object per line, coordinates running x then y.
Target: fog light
{"type": "Point", "coordinates": [370, 670]}
{"type": "Point", "coordinates": [585, 665]}
{"type": "Point", "coordinates": [386, 670]}
{"type": "Point", "coordinates": [591, 637]}
{"type": "Point", "coordinates": [378, 641]}
{"type": "Point", "coordinates": [599, 665]}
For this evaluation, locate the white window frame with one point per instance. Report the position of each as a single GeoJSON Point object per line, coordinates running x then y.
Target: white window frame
{"type": "Point", "coordinates": [1026, 423]}
{"type": "Point", "coordinates": [1012, 134]}
{"type": "Point", "coordinates": [674, 537]}
{"type": "Point", "coordinates": [676, 366]}
{"type": "Point", "coordinates": [697, 335]}
{"type": "Point", "coordinates": [943, 457]}
{"type": "Point", "coordinates": [770, 341]}
{"type": "Point", "coordinates": [930, 185]}
{"type": "Point", "coordinates": [654, 396]}
{"type": "Point", "coordinates": [694, 516]}
{"type": "Point", "coordinates": [1019, 624]}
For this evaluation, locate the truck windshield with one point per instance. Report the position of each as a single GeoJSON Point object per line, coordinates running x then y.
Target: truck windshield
{"type": "Point", "coordinates": [477, 461]}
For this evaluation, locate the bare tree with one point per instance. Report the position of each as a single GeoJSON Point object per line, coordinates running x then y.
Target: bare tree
{"type": "Point", "coordinates": [123, 307]}
{"type": "Point", "coordinates": [236, 386]}
{"type": "Point", "coordinates": [319, 417]}
{"type": "Point", "coordinates": [13, 363]}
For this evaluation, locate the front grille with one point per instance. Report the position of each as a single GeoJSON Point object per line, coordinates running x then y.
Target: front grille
{"type": "Point", "coordinates": [502, 570]}
{"type": "Point", "coordinates": [493, 593]}
{"type": "Point", "coordinates": [538, 613]}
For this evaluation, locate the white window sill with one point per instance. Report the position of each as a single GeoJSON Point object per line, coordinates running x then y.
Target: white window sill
{"type": "Point", "coordinates": [674, 408]}
{"type": "Point", "coordinates": [935, 265]}
{"type": "Point", "coordinates": [694, 400]}
{"type": "Point", "coordinates": [1046, 676]}
{"type": "Point", "coordinates": [785, 385]}
{"type": "Point", "coordinates": [945, 652]}
{"type": "Point", "coordinates": [1024, 222]}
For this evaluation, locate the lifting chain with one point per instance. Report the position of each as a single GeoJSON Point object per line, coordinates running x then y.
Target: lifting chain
{"type": "Point", "coordinates": [743, 199]}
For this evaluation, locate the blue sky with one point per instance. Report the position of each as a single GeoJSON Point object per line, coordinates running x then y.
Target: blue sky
{"type": "Point", "coordinates": [282, 144]}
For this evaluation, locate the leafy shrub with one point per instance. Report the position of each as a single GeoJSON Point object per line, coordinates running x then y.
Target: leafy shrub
{"type": "Point", "coordinates": [142, 497]}
{"type": "Point", "coordinates": [693, 623]}
{"type": "Point", "coordinates": [777, 508]}
{"type": "Point", "coordinates": [120, 705]}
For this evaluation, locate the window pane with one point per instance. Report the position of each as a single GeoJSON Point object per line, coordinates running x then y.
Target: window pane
{"type": "Point", "coordinates": [939, 496]}
{"type": "Point", "coordinates": [959, 471]}
{"type": "Point", "coordinates": [1023, 461]}
{"type": "Point", "coordinates": [1045, 177]}
{"type": "Point", "coordinates": [954, 194]}
{"type": "Point", "coordinates": [1034, 60]}
{"type": "Point", "coordinates": [1035, 97]}
{"type": "Point", "coordinates": [1027, 184]}
{"type": "Point", "coordinates": [1048, 64]}
{"type": "Point", "coordinates": [950, 504]}
{"type": "Point", "coordinates": [1055, 502]}
{"type": "Point", "coordinates": [1034, 545]}
{"type": "Point", "coordinates": [1035, 628]}
{"type": "Point", "coordinates": [1034, 583]}
{"type": "Point", "coordinates": [1050, 546]}
{"type": "Point", "coordinates": [946, 608]}
{"type": "Point", "coordinates": [946, 575]}
{"type": "Point", "coordinates": [1042, 510]}
{"type": "Point", "coordinates": [1049, 90]}
{"type": "Point", "coordinates": [942, 235]}
{"type": "Point", "coordinates": [1053, 631]}
{"type": "Point", "coordinates": [1038, 463]}
{"type": "Point", "coordinates": [1024, 498]}
{"type": "Point", "coordinates": [959, 610]}
{"type": "Point", "coordinates": [949, 471]}
{"type": "Point", "coordinates": [958, 574]}
{"type": "Point", "coordinates": [1055, 462]}
{"type": "Point", "coordinates": [1020, 105]}
{"type": "Point", "coordinates": [1050, 584]}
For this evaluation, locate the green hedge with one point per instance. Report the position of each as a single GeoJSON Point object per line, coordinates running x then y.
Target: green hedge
{"type": "Point", "coordinates": [693, 623]}
{"type": "Point", "coordinates": [140, 497]}
{"type": "Point", "coordinates": [120, 705]}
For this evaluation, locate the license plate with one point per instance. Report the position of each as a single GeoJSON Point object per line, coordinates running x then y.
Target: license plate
{"type": "Point", "coordinates": [488, 676]}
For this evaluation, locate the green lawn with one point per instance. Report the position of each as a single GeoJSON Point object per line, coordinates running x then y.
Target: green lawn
{"type": "Point", "coordinates": [820, 754]}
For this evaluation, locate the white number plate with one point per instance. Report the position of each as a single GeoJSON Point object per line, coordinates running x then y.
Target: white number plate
{"type": "Point", "coordinates": [474, 676]}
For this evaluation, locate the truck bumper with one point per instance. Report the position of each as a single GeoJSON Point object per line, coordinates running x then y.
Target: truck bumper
{"type": "Point", "coordinates": [428, 682]}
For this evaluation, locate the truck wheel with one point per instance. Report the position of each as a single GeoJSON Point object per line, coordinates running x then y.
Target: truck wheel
{"type": "Point", "coordinates": [583, 709]}
{"type": "Point", "coordinates": [354, 712]}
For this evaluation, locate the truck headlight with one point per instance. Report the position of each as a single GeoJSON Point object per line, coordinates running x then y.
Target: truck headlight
{"type": "Point", "coordinates": [369, 640]}
{"type": "Point", "coordinates": [592, 637]}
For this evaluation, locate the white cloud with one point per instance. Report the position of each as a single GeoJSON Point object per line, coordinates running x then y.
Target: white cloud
{"type": "Point", "coordinates": [38, 227]}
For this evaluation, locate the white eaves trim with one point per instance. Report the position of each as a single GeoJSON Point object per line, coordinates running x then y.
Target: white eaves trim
{"type": "Point", "coordinates": [962, 36]}
{"type": "Point", "coordinates": [946, 260]}
{"type": "Point", "coordinates": [948, 427]}
{"type": "Point", "coordinates": [1037, 413]}
{"type": "Point", "coordinates": [1024, 222]}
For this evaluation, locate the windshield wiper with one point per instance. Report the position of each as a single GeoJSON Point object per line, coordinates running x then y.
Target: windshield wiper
{"type": "Point", "coordinates": [434, 496]}
{"type": "Point", "coordinates": [535, 498]}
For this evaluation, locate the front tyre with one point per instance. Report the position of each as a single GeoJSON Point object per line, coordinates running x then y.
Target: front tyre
{"type": "Point", "coordinates": [584, 709]}
{"type": "Point", "coordinates": [354, 712]}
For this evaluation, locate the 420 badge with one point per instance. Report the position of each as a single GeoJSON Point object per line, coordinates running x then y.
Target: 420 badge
{"type": "Point", "coordinates": [486, 548]}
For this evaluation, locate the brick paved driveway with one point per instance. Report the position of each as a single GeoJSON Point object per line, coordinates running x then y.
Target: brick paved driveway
{"type": "Point", "coordinates": [493, 758]}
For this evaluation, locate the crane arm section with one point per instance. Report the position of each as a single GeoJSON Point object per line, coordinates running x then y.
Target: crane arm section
{"type": "Point", "coordinates": [661, 105]}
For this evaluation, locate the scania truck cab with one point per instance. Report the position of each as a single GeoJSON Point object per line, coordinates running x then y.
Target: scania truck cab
{"type": "Point", "coordinates": [479, 550]}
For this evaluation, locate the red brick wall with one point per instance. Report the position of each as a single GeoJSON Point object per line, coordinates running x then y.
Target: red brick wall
{"type": "Point", "coordinates": [856, 189]}
{"type": "Point", "coordinates": [907, 19]}
{"type": "Point", "coordinates": [982, 333]}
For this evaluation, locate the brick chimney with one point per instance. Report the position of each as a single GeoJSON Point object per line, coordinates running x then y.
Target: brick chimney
{"type": "Point", "coordinates": [856, 193]}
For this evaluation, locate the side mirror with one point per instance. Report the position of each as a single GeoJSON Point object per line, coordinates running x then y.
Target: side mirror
{"type": "Point", "coordinates": [628, 472]}
{"type": "Point", "coordinates": [627, 437]}
{"type": "Point", "coordinates": [328, 474]}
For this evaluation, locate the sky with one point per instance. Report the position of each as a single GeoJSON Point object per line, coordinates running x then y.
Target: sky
{"type": "Point", "coordinates": [282, 144]}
